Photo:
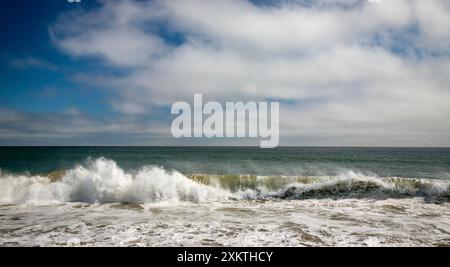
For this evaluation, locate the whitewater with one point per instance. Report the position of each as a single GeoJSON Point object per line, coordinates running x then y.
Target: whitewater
{"type": "Point", "coordinates": [100, 204]}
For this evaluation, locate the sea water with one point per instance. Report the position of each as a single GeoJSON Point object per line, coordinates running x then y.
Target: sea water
{"type": "Point", "coordinates": [217, 196]}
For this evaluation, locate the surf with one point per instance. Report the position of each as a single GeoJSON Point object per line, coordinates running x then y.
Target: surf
{"type": "Point", "coordinates": [101, 180]}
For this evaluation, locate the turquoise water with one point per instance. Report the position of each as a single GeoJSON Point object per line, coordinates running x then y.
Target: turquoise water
{"type": "Point", "coordinates": [383, 162]}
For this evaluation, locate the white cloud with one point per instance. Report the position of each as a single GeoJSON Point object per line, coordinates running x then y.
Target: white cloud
{"type": "Point", "coordinates": [70, 124]}
{"type": "Point", "coordinates": [112, 33]}
{"type": "Point", "coordinates": [354, 69]}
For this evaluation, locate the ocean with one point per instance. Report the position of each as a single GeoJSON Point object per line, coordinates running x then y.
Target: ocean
{"type": "Point", "coordinates": [224, 196]}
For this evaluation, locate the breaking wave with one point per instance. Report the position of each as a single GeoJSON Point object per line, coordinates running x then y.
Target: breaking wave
{"type": "Point", "coordinates": [347, 185]}
{"type": "Point", "coordinates": [103, 181]}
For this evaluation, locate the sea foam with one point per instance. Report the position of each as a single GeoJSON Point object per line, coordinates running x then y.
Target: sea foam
{"type": "Point", "coordinates": [103, 181]}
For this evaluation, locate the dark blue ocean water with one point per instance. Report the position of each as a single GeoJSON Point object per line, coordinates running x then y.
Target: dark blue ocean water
{"type": "Point", "coordinates": [384, 162]}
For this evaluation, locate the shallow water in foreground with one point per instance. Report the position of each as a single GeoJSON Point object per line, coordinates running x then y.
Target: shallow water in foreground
{"type": "Point", "coordinates": [312, 222]}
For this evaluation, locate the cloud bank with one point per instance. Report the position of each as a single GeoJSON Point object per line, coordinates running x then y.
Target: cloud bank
{"type": "Point", "coordinates": [347, 72]}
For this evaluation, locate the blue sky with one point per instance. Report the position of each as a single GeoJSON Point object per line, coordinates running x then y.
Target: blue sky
{"type": "Point", "coordinates": [35, 75]}
{"type": "Point", "coordinates": [347, 72]}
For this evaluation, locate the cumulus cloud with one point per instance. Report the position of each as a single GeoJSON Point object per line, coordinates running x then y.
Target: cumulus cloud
{"type": "Point", "coordinates": [349, 71]}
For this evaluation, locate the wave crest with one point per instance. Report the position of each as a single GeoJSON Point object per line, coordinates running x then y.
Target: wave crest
{"type": "Point", "coordinates": [103, 181]}
{"type": "Point", "coordinates": [353, 185]}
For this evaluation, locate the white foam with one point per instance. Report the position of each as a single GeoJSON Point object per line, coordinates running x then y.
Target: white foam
{"type": "Point", "coordinates": [358, 184]}
{"type": "Point", "coordinates": [103, 181]}
{"type": "Point", "coordinates": [312, 222]}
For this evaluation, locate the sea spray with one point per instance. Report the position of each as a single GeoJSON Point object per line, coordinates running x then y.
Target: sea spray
{"type": "Point", "coordinates": [103, 181]}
